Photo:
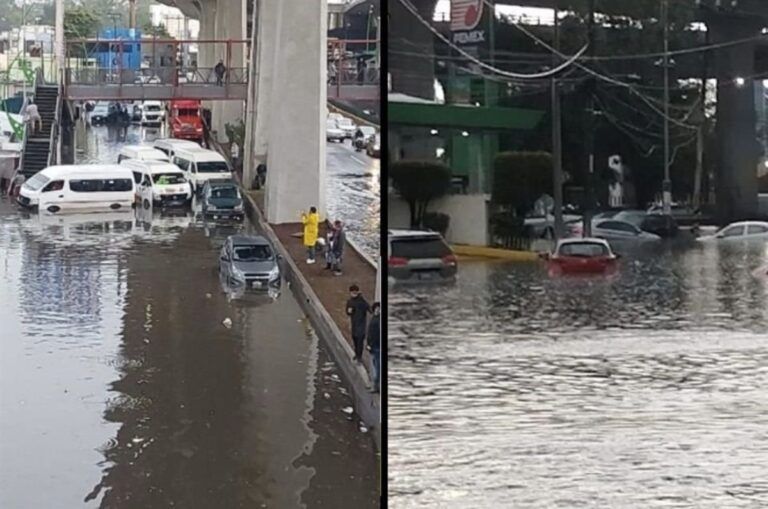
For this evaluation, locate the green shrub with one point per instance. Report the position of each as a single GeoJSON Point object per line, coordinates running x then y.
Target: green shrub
{"type": "Point", "coordinates": [419, 183]}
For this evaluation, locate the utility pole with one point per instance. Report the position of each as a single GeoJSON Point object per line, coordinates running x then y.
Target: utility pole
{"type": "Point", "coordinates": [59, 39]}
{"type": "Point", "coordinates": [131, 13]}
{"type": "Point", "coordinates": [590, 126]}
{"type": "Point", "coordinates": [667, 184]}
{"type": "Point", "coordinates": [557, 142]}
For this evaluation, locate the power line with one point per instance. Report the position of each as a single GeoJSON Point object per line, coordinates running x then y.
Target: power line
{"type": "Point", "coordinates": [569, 60]}
{"type": "Point", "coordinates": [606, 78]}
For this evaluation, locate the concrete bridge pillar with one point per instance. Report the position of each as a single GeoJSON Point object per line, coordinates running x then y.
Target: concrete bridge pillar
{"type": "Point", "coordinates": [230, 23]}
{"type": "Point", "coordinates": [296, 156]}
{"type": "Point", "coordinates": [738, 150]}
{"type": "Point", "coordinates": [266, 48]}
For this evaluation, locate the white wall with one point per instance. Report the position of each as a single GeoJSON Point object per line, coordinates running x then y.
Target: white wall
{"type": "Point", "coordinates": [468, 213]}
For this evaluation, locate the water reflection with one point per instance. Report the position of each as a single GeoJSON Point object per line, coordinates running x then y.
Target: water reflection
{"type": "Point", "coordinates": [514, 389]}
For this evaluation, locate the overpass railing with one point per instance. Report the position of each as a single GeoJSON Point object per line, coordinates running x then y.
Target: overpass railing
{"type": "Point", "coordinates": [353, 62]}
{"type": "Point", "coordinates": [155, 76]}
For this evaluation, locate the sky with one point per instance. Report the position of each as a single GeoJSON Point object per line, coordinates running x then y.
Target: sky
{"type": "Point", "coordinates": [545, 16]}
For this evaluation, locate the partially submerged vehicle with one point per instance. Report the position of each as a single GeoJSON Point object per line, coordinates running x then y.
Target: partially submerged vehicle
{"type": "Point", "coordinates": [581, 256]}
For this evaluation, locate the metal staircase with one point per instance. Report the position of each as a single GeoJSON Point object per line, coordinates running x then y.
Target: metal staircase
{"type": "Point", "coordinates": [39, 146]}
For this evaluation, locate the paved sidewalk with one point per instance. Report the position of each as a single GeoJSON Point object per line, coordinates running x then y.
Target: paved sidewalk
{"type": "Point", "coordinates": [333, 291]}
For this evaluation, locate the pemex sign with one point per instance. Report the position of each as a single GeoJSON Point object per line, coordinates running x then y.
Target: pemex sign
{"type": "Point", "coordinates": [466, 26]}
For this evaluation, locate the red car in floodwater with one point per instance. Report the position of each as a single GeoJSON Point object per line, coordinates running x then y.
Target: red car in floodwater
{"type": "Point", "coordinates": [581, 256]}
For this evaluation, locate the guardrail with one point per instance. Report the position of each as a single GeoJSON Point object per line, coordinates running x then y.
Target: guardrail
{"type": "Point", "coordinates": [156, 76]}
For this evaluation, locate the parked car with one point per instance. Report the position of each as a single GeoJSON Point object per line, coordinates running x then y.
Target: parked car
{"type": "Point", "coordinates": [419, 256]}
{"type": "Point", "coordinates": [332, 132]}
{"type": "Point", "coordinates": [362, 135]}
{"type": "Point", "coordinates": [251, 261]}
{"type": "Point", "coordinates": [100, 113]}
{"type": "Point", "coordinates": [684, 215]}
{"type": "Point", "coordinates": [652, 222]}
{"type": "Point", "coordinates": [614, 230]}
{"type": "Point", "coordinates": [347, 126]}
{"type": "Point", "coordinates": [222, 200]}
{"type": "Point", "coordinates": [581, 256]}
{"type": "Point", "coordinates": [743, 230]}
{"type": "Point", "coordinates": [373, 147]}
{"type": "Point", "coordinates": [544, 226]}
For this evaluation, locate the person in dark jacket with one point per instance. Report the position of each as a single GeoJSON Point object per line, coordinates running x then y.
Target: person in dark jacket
{"type": "Point", "coordinates": [374, 337]}
{"type": "Point", "coordinates": [220, 70]}
{"type": "Point", "coordinates": [357, 310]}
{"type": "Point", "coordinates": [337, 246]}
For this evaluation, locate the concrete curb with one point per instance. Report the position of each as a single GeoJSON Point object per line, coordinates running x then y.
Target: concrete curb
{"type": "Point", "coordinates": [366, 404]}
{"type": "Point", "coordinates": [491, 252]}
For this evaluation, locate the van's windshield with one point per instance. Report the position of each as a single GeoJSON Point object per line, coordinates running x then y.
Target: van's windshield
{"type": "Point", "coordinates": [212, 167]}
{"type": "Point", "coordinates": [165, 179]}
{"type": "Point", "coordinates": [37, 182]}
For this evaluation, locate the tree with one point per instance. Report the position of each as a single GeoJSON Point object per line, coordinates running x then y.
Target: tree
{"type": "Point", "coordinates": [419, 183]}
{"type": "Point", "coordinates": [80, 23]}
{"type": "Point", "coordinates": [520, 178]}
{"type": "Point", "coordinates": [158, 31]}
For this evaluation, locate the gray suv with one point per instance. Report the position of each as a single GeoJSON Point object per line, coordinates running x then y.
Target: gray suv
{"type": "Point", "coordinates": [419, 256]}
{"type": "Point", "coordinates": [249, 260]}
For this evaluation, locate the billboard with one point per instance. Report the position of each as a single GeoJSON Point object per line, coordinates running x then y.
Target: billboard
{"type": "Point", "coordinates": [467, 25]}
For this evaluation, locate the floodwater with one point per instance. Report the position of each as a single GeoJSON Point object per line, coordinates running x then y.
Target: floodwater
{"type": "Point", "coordinates": [353, 195]}
{"type": "Point", "coordinates": [121, 386]}
{"type": "Point", "coordinates": [352, 183]}
{"type": "Point", "coordinates": [511, 389]}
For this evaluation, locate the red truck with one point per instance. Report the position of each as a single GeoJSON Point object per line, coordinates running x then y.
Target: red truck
{"type": "Point", "coordinates": [185, 120]}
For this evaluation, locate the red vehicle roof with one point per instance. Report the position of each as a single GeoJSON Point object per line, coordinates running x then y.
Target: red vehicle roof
{"type": "Point", "coordinates": [185, 103]}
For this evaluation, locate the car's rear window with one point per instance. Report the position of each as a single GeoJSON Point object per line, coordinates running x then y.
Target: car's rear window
{"type": "Point", "coordinates": [586, 249]}
{"type": "Point", "coordinates": [420, 247]}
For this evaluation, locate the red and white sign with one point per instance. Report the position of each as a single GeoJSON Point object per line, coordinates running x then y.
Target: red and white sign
{"type": "Point", "coordinates": [466, 14]}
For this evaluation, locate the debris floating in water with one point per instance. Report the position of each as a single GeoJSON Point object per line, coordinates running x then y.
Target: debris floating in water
{"type": "Point", "coordinates": [348, 410]}
{"type": "Point", "coordinates": [208, 295]}
{"type": "Point", "coordinates": [227, 323]}
{"type": "Point", "coordinates": [363, 428]}
{"type": "Point", "coordinates": [326, 395]}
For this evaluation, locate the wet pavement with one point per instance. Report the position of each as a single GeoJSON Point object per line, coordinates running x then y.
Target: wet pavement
{"type": "Point", "coordinates": [121, 387]}
{"type": "Point", "coordinates": [353, 194]}
{"type": "Point", "coordinates": [511, 389]}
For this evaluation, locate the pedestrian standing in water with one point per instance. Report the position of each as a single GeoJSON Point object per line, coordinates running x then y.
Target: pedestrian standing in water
{"type": "Point", "coordinates": [337, 249]}
{"type": "Point", "coordinates": [374, 342]}
{"type": "Point", "coordinates": [310, 222]}
{"type": "Point", "coordinates": [357, 310]}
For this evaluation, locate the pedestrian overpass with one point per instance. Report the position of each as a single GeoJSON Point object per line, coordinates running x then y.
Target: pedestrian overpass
{"type": "Point", "coordinates": [171, 76]}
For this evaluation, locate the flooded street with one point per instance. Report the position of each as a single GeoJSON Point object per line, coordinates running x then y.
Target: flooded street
{"type": "Point", "coordinates": [120, 386]}
{"type": "Point", "coordinates": [511, 389]}
{"type": "Point", "coordinates": [353, 194]}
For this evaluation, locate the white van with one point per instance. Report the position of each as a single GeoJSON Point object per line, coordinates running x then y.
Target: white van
{"type": "Point", "coordinates": [169, 146]}
{"type": "Point", "coordinates": [159, 183]}
{"type": "Point", "coordinates": [201, 165]}
{"type": "Point", "coordinates": [142, 153]}
{"type": "Point", "coordinates": [152, 113]}
{"type": "Point", "coordinates": [79, 187]}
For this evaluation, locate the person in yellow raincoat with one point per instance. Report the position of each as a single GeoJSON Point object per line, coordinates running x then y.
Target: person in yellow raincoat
{"type": "Point", "coordinates": [310, 222]}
